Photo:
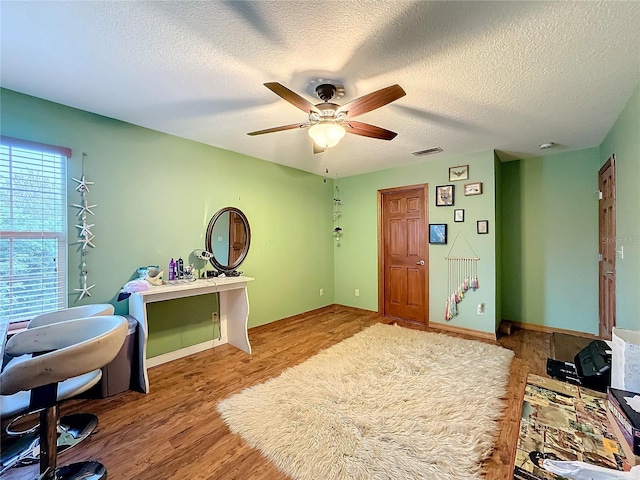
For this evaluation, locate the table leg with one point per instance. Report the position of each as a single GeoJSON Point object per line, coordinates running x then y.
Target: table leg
{"type": "Point", "coordinates": [138, 310]}
{"type": "Point", "coordinates": [234, 312]}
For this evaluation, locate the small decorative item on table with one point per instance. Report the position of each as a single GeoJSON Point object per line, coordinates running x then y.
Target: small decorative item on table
{"type": "Point", "coordinates": [154, 275]}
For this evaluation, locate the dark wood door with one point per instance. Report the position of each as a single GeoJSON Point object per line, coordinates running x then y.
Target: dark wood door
{"type": "Point", "coordinates": [237, 237]}
{"type": "Point", "coordinates": [403, 251]}
{"type": "Point", "coordinates": [607, 249]}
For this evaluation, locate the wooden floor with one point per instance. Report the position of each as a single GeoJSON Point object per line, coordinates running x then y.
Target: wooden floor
{"type": "Point", "coordinates": [174, 432]}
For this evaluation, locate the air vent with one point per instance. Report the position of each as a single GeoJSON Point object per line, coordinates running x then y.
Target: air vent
{"type": "Point", "coordinates": [428, 151]}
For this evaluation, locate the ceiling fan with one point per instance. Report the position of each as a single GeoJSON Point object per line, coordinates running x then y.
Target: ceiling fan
{"type": "Point", "coordinates": [328, 122]}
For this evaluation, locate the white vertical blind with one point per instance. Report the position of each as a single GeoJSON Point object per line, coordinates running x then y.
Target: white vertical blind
{"type": "Point", "coordinates": [33, 229]}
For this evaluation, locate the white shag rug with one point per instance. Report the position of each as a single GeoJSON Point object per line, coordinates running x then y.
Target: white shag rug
{"type": "Point", "coordinates": [387, 403]}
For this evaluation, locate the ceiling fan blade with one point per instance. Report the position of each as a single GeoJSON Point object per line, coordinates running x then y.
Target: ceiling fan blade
{"type": "Point", "coordinates": [367, 130]}
{"type": "Point", "coordinates": [279, 129]}
{"type": "Point", "coordinates": [317, 149]}
{"type": "Point", "coordinates": [373, 100]}
{"type": "Point", "coordinates": [292, 97]}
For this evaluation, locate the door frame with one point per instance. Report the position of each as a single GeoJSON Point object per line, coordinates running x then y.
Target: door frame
{"type": "Point", "coordinates": [381, 280]}
{"type": "Point", "coordinates": [610, 163]}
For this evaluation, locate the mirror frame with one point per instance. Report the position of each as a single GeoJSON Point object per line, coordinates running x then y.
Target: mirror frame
{"type": "Point", "coordinates": [209, 247]}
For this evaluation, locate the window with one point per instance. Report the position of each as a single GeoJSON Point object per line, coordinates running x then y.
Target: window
{"type": "Point", "coordinates": [33, 228]}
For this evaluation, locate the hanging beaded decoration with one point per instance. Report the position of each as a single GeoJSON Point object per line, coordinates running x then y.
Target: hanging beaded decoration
{"type": "Point", "coordinates": [86, 237]}
{"type": "Point", "coordinates": [337, 231]}
{"type": "Point", "coordinates": [462, 274]}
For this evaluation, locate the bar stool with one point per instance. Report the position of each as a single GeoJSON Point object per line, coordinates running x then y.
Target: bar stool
{"type": "Point", "coordinates": [60, 351]}
{"type": "Point", "coordinates": [72, 429]}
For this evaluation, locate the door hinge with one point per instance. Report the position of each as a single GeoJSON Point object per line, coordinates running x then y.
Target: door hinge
{"type": "Point", "coordinates": [599, 257]}
{"type": "Point", "coordinates": [599, 192]}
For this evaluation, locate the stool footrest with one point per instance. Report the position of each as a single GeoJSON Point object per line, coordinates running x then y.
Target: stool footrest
{"type": "Point", "coordinates": [77, 471]}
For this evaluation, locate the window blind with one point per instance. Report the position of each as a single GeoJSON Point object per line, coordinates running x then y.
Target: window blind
{"type": "Point", "coordinates": [33, 229]}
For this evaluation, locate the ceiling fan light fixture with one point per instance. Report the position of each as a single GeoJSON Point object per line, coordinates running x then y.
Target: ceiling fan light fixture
{"type": "Point", "coordinates": [326, 134]}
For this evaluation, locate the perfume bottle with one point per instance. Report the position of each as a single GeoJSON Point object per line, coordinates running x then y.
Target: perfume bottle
{"type": "Point", "coordinates": [172, 270]}
{"type": "Point", "coordinates": [180, 268]}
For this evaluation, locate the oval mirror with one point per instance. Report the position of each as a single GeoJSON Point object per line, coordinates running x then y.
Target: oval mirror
{"type": "Point", "coordinates": [228, 237]}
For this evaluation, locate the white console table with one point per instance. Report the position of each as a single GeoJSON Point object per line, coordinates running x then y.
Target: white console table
{"type": "Point", "coordinates": [234, 314]}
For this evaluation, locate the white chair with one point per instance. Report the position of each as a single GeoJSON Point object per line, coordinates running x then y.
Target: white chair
{"type": "Point", "coordinates": [10, 406]}
{"type": "Point", "coordinates": [60, 351]}
{"type": "Point", "coordinates": [72, 313]}
{"type": "Point", "coordinates": [73, 428]}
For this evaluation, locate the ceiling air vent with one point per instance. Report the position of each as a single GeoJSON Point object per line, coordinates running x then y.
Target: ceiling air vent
{"type": "Point", "coordinates": [428, 151]}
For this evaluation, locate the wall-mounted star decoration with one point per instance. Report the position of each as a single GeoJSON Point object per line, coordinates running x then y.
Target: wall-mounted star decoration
{"type": "Point", "coordinates": [85, 230]}
{"type": "Point", "coordinates": [84, 208]}
{"type": "Point", "coordinates": [86, 237]}
{"type": "Point", "coordinates": [86, 242]}
{"type": "Point", "coordinates": [84, 290]}
{"type": "Point", "coordinates": [83, 184]}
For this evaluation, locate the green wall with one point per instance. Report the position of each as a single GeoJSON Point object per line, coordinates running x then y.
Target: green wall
{"type": "Point", "coordinates": [356, 255]}
{"type": "Point", "coordinates": [156, 194]}
{"type": "Point", "coordinates": [624, 141]}
{"type": "Point", "coordinates": [549, 241]}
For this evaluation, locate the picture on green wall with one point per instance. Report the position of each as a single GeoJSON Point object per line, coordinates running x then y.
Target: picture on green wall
{"type": "Point", "coordinates": [461, 172]}
{"type": "Point", "coordinates": [483, 226]}
{"type": "Point", "coordinates": [438, 233]}
{"type": "Point", "coordinates": [473, 188]}
{"type": "Point", "coordinates": [444, 195]}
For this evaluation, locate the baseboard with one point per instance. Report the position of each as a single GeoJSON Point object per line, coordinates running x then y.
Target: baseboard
{"type": "Point", "coordinates": [297, 316]}
{"type": "Point", "coordinates": [355, 309]}
{"type": "Point", "coordinates": [184, 352]}
{"type": "Point", "coordinates": [463, 331]}
{"type": "Point", "coordinates": [546, 329]}
{"type": "Point", "coordinates": [316, 311]}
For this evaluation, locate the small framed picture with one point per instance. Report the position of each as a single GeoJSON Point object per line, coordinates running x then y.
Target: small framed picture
{"type": "Point", "coordinates": [473, 188]}
{"type": "Point", "coordinates": [458, 215]}
{"type": "Point", "coordinates": [483, 226]}
{"type": "Point", "coordinates": [438, 233]}
{"type": "Point", "coordinates": [444, 195]}
{"type": "Point", "coordinates": [461, 172]}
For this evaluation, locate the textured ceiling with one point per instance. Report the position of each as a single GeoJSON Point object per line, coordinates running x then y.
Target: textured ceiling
{"type": "Point", "coordinates": [478, 75]}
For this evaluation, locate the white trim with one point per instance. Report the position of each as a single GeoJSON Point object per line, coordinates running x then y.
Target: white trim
{"type": "Point", "coordinates": [184, 352]}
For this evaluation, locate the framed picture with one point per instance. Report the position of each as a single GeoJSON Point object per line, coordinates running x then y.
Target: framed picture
{"type": "Point", "coordinates": [461, 172]}
{"type": "Point", "coordinates": [438, 233]}
{"type": "Point", "coordinates": [444, 195]}
{"type": "Point", "coordinates": [473, 188]}
{"type": "Point", "coordinates": [483, 226]}
{"type": "Point", "coordinates": [458, 215]}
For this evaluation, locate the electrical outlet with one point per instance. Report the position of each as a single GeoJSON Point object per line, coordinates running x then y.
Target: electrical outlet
{"type": "Point", "coordinates": [321, 291]}
{"type": "Point", "coordinates": [357, 292]}
{"type": "Point", "coordinates": [480, 309]}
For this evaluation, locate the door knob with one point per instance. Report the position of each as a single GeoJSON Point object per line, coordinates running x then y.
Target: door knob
{"type": "Point", "coordinates": [421, 262]}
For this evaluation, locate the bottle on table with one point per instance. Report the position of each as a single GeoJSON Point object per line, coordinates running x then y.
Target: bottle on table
{"type": "Point", "coordinates": [172, 270]}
